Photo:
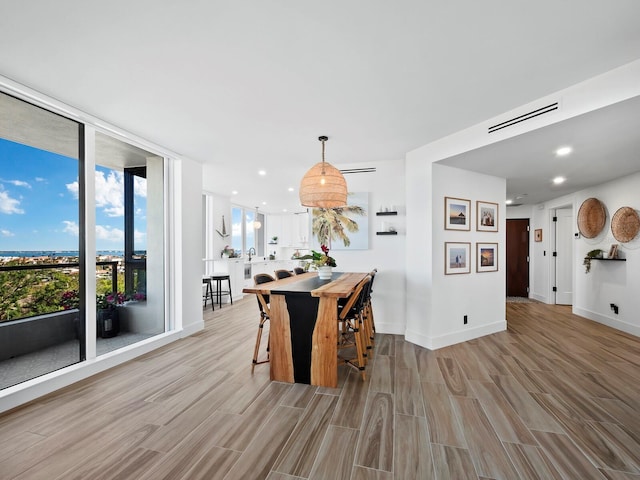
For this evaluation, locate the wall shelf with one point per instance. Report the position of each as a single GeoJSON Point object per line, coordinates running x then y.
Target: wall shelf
{"type": "Point", "coordinates": [381, 214]}
{"type": "Point", "coordinates": [610, 259]}
{"type": "Point", "coordinates": [386, 233]}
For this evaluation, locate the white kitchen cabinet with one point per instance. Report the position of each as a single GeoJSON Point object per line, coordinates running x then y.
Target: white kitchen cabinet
{"type": "Point", "coordinates": [295, 230]}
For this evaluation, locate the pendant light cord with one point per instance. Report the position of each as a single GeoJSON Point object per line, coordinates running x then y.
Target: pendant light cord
{"type": "Point", "coordinates": [323, 139]}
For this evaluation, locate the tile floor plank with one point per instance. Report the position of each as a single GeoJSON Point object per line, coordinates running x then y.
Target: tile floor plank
{"type": "Point", "coordinates": [193, 410]}
{"type": "Point", "coordinates": [375, 445]}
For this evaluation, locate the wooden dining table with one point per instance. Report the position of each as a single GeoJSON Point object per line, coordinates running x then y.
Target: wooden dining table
{"type": "Point", "coordinates": [303, 334]}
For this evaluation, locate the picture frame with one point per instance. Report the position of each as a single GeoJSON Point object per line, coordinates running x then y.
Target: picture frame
{"type": "Point", "coordinates": [486, 216]}
{"type": "Point", "coordinates": [537, 235]}
{"type": "Point", "coordinates": [457, 258]}
{"type": "Point", "coordinates": [613, 251]}
{"type": "Point", "coordinates": [457, 213]}
{"type": "Point", "coordinates": [486, 257]}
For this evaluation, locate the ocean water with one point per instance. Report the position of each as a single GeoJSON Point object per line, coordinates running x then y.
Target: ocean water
{"type": "Point", "coordinates": [57, 253]}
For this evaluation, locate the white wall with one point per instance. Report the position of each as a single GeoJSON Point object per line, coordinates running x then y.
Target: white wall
{"type": "Point", "coordinates": [422, 250]}
{"type": "Point", "coordinates": [386, 252]}
{"type": "Point", "coordinates": [610, 282]}
{"type": "Point", "coordinates": [443, 300]}
{"type": "Point", "coordinates": [188, 267]}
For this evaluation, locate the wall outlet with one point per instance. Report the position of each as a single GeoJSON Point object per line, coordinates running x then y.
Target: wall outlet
{"type": "Point", "coordinates": [465, 320]}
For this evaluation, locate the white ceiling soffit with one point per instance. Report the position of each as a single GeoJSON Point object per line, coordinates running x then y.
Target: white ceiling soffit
{"type": "Point", "coordinates": [605, 145]}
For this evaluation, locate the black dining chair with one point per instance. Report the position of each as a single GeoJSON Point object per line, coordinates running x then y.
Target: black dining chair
{"type": "Point", "coordinates": [298, 270]}
{"type": "Point", "coordinates": [351, 320]}
{"type": "Point", "coordinates": [280, 274]}
{"type": "Point", "coordinates": [263, 305]}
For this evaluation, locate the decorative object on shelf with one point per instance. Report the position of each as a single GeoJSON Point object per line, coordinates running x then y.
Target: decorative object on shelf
{"type": "Point", "coordinates": [321, 262]}
{"type": "Point", "coordinates": [613, 251]}
{"type": "Point", "coordinates": [330, 224]}
{"type": "Point", "coordinates": [457, 258]}
{"type": "Point", "coordinates": [256, 223]}
{"type": "Point", "coordinates": [537, 236]}
{"type": "Point", "coordinates": [596, 253]}
{"type": "Point", "coordinates": [456, 214]}
{"type": "Point", "coordinates": [486, 257]}
{"type": "Point", "coordinates": [223, 233]}
{"type": "Point", "coordinates": [323, 186]}
{"type": "Point", "coordinates": [625, 224]}
{"type": "Point", "coordinates": [591, 217]}
{"type": "Point", "coordinates": [486, 217]}
{"type": "Point", "coordinates": [274, 241]}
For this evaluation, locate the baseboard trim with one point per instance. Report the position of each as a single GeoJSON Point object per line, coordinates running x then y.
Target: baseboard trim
{"type": "Point", "coordinates": [608, 321]}
{"type": "Point", "coordinates": [434, 343]}
{"type": "Point", "coordinates": [540, 298]}
{"type": "Point", "coordinates": [390, 328]}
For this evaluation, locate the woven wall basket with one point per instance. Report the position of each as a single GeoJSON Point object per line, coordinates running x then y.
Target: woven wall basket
{"type": "Point", "coordinates": [625, 224]}
{"type": "Point", "coordinates": [591, 217]}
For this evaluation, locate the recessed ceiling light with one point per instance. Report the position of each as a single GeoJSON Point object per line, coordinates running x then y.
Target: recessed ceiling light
{"type": "Point", "coordinates": [290, 189]}
{"type": "Point", "coordinates": [284, 209]}
{"type": "Point", "coordinates": [563, 151]}
{"type": "Point", "coordinates": [264, 203]}
{"type": "Point", "coordinates": [262, 172]}
{"type": "Point", "coordinates": [234, 192]}
{"type": "Point", "coordinates": [509, 202]}
{"type": "Point", "coordinates": [559, 180]}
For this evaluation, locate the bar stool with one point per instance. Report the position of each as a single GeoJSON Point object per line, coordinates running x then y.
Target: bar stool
{"type": "Point", "coordinates": [208, 294]}
{"type": "Point", "coordinates": [218, 278]}
{"type": "Point", "coordinates": [263, 306]}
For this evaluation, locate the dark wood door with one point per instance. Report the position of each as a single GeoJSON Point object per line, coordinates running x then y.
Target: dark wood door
{"type": "Point", "coordinates": [518, 257]}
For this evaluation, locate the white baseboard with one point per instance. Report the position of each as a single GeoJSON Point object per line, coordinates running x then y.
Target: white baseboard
{"type": "Point", "coordinates": [608, 321]}
{"type": "Point", "coordinates": [192, 328]}
{"type": "Point", "coordinates": [390, 328]}
{"type": "Point", "coordinates": [433, 343]}
{"type": "Point", "coordinates": [540, 298]}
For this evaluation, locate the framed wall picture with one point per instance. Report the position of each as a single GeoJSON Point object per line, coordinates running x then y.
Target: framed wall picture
{"type": "Point", "coordinates": [457, 214]}
{"type": "Point", "coordinates": [486, 217]}
{"type": "Point", "coordinates": [537, 235]}
{"type": "Point", "coordinates": [486, 257]}
{"type": "Point", "coordinates": [457, 258]}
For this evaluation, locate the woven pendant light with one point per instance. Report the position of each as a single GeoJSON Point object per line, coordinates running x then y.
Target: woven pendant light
{"type": "Point", "coordinates": [323, 186]}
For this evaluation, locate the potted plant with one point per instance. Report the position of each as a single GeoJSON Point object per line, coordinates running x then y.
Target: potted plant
{"type": "Point", "coordinates": [107, 315]}
{"type": "Point", "coordinates": [321, 262]}
{"type": "Point", "coordinates": [597, 253]}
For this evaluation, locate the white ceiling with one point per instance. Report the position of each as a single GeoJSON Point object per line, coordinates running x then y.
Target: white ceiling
{"type": "Point", "coordinates": [245, 85]}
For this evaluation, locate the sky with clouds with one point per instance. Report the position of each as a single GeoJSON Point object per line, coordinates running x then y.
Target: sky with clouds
{"type": "Point", "coordinates": [39, 202]}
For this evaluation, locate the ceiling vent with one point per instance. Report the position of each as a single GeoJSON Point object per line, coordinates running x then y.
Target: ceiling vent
{"type": "Point", "coordinates": [346, 171]}
{"type": "Point", "coordinates": [522, 118]}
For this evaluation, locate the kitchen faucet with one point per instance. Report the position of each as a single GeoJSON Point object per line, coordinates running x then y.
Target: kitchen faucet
{"type": "Point", "coordinates": [249, 252]}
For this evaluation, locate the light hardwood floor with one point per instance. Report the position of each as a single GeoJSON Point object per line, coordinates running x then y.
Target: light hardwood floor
{"type": "Point", "coordinates": [555, 396]}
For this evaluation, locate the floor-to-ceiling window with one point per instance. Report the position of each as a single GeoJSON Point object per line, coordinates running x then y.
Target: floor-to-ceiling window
{"type": "Point", "coordinates": [43, 242]}
{"type": "Point", "coordinates": [41, 265]}
{"type": "Point", "coordinates": [246, 234]}
{"type": "Point", "coordinates": [129, 243]}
